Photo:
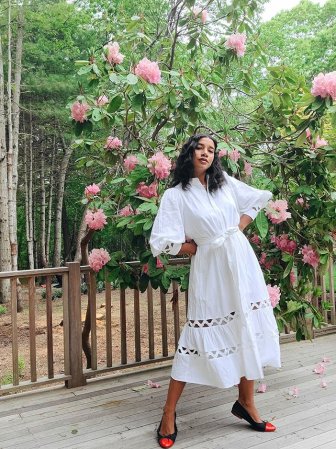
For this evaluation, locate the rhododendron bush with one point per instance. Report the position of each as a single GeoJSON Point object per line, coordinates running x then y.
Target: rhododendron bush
{"type": "Point", "coordinates": [143, 95]}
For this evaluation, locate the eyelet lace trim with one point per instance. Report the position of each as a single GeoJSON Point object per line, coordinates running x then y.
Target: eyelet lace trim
{"type": "Point", "coordinates": [210, 354]}
{"type": "Point", "coordinates": [225, 320]}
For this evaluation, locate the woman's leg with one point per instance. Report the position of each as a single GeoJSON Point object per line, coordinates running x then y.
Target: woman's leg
{"type": "Point", "coordinates": [246, 398]}
{"type": "Point", "coordinates": [174, 392]}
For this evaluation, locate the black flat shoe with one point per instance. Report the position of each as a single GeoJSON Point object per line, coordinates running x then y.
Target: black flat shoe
{"type": "Point", "coordinates": [241, 413]}
{"type": "Point", "coordinates": [167, 441]}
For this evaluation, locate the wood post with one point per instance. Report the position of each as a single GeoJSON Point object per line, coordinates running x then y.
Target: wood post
{"type": "Point", "coordinates": [75, 327]}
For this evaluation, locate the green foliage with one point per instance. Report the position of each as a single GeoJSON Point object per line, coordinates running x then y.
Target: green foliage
{"type": "Point", "coordinates": [3, 309]}
{"type": "Point", "coordinates": [7, 378]}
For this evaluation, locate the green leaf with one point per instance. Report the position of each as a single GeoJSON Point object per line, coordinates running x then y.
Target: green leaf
{"type": "Point", "coordinates": [131, 79]}
{"type": "Point", "coordinates": [262, 224]}
{"type": "Point", "coordinates": [288, 268]}
{"type": "Point", "coordinates": [115, 103]}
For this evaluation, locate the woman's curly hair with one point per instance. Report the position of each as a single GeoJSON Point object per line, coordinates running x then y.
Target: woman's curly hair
{"type": "Point", "coordinates": [184, 169]}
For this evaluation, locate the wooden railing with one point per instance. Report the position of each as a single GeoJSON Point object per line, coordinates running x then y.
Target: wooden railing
{"type": "Point", "coordinates": [140, 328]}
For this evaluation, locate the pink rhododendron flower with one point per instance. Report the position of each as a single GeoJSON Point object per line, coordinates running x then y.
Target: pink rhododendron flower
{"type": "Point", "coordinates": [145, 268]}
{"type": "Point", "coordinates": [284, 244]}
{"type": "Point", "coordinates": [149, 71]}
{"type": "Point", "coordinates": [236, 42]}
{"type": "Point", "coordinates": [234, 155]}
{"type": "Point", "coordinates": [102, 100]}
{"type": "Point", "coordinates": [159, 264]}
{"type": "Point", "coordinates": [292, 277]}
{"type": "Point", "coordinates": [113, 55]}
{"type": "Point", "coordinates": [320, 142]}
{"type": "Point", "coordinates": [204, 15]}
{"type": "Point", "coordinates": [248, 168]}
{"type": "Point", "coordinates": [130, 162]}
{"type": "Point", "coordinates": [113, 143]}
{"type": "Point", "coordinates": [91, 190]}
{"type": "Point", "coordinates": [294, 391]}
{"type": "Point", "coordinates": [95, 219]}
{"type": "Point", "coordinates": [300, 201]}
{"type": "Point", "coordinates": [319, 368]}
{"type": "Point", "coordinates": [261, 388]}
{"type": "Point", "coordinates": [274, 294]}
{"type": "Point", "coordinates": [98, 258]}
{"type": "Point", "coordinates": [147, 191]}
{"type": "Point", "coordinates": [310, 256]}
{"type": "Point", "coordinates": [159, 165]}
{"type": "Point", "coordinates": [126, 211]}
{"type": "Point", "coordinates": [276, 211]}
{"type": "Point", "coordinates": [262, 258]}
{"type": "Point", "coordinates": [79, 110]}
{"type": "Point", "coordinates": [222, 153]}
{"type": "Point", "coordinates": [324, 85]}
{"type": "Point", "coordinates": [256, 240]}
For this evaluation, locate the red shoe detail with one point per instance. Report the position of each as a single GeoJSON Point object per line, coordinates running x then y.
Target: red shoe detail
{"type": "Point", "coordinates": [166, 442]}
{"type": "Point", "coordinates": [269, 427]}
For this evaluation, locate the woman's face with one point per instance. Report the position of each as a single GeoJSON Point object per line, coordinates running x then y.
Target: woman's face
{"type": "Point", "coordinates": [204, 155]}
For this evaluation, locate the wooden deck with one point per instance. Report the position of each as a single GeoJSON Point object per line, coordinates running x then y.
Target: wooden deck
{"type": "Point", "coordinates": [122, 413]}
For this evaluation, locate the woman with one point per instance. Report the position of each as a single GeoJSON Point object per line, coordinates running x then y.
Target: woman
{"type": "Point", "coordinates": [231, 332]}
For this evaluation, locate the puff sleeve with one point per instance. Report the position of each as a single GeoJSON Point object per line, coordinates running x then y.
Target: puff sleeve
{"type": "Point", "coordinates": [249, 200]}
{"type": "Point", "coordinates": [168, 232]}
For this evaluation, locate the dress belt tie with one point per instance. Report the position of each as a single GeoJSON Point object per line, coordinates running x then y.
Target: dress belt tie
{"type": "Point", "coordinates": [218, 241]}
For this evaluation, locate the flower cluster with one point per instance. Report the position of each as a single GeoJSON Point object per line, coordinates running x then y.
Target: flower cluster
{"type": "Point", "coordinates": [267, 264]}
{"type": "Point", "coordinates": [274, 294]}
{"type": "Point", "coordinates": [149, 71]}
{"type": "Point", "coordinates": [310, 256]}
{"type": "Point", "coordinates": [130, 162]}
{"type": "Point", "coordinates": [112, 53]}
{"type": "Point", "coordinates": [113, 143]}
{"type": "Point", "coordinates": [234, 154]}
{"type": "Point", "coordinates": [277, 211]}
{"type": "Point", "coordinates": [147, 191]}
{"type": "Point", "coordinates": [324, 85]}
{"type": "Point", "coordinates": [91, 190]}
{"type": "Point", "coordinates": [248, 168]}
{"type": "Point", "coordinates": [204, 13]}
{"type": "Point", "coordinates": [98, 258]}
{"type": "Point", "coordinates": [284, 243]}
{"type": "Point", "coordinates": [79, 110]}
{"type": "Point", "coordinates": [237, 43]}
{"type": "Point", "coordinates": [126, 211]}
{"type": "Point", "coordinates": [95, 220]}
{"type": "Point", "coordinates": [102, 100]}
{"type": "Point", "coordinates": [159, 165]}
{"type": "Point", "coordinates": [318, 143]}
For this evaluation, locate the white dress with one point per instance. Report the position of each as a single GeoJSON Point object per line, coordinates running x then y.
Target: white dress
{"type": "Point", "coordinates": [231, 330]}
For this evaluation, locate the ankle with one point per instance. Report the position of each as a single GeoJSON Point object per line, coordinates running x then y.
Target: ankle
{"type": "Point", "coordinates": [168, 410]}
{"type": "Point", "coordinates": [246, 402]}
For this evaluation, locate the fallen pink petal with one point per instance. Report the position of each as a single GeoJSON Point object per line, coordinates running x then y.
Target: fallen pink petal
{"type": "Point", "coordinates": [319, 368]}
{"type": "Point", "coordinates": [326, 360]}
{"type": "Point", "coordinates": [261, 388]}
{"type": "Point", "coordinates": [323, 384]}
{"type": "Point", "coordinates": [294, 391]}
{"type": "Point", "coordinates": [153, 384]}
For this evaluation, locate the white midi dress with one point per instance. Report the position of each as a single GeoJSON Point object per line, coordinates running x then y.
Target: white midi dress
{"type": "Point", "coordinates": [230, 330]}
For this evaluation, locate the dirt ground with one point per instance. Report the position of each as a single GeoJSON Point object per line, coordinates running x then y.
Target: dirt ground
{"type": "Point", "coordinates": [57, 313]}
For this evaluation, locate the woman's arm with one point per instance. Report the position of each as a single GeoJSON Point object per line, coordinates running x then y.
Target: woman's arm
{"type": "Point", "coordinates": [245, 220]}
{"type": "Point", "coordinates": [188, 248]}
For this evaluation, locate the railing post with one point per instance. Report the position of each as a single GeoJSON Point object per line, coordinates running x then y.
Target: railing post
{"type": "Point", "coordinates": [75, 327]}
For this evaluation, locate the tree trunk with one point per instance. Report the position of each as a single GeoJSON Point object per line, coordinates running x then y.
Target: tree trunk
{"type": "Point", "coordinates": [29, 196]}
{"type": "Point", "coordinates": [43, 257]}
{"type": "Point", "coordinates": [50, 201]}
{"type": "Point", "coordinates": [5, 250]}
{"type": "Point", "coordinates": [59, 204]}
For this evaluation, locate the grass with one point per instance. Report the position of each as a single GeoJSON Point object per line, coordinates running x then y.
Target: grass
{"type": "Point", "coordinates": [7, 379]}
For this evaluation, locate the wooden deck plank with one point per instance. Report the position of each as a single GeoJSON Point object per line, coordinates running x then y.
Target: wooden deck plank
{"type": "Point", "coordinates": [109, 413]}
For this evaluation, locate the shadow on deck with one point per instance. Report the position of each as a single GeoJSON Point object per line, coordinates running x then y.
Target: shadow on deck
{"type": "Point", "coordinates": [122, 412]}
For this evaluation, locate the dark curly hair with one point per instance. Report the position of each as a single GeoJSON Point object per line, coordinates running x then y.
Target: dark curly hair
{"type": "Point", "coordinates": [184, 169]}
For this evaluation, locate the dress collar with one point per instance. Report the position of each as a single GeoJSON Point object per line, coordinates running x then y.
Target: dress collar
{"type": "Point", "coordinates": [196, 182]}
